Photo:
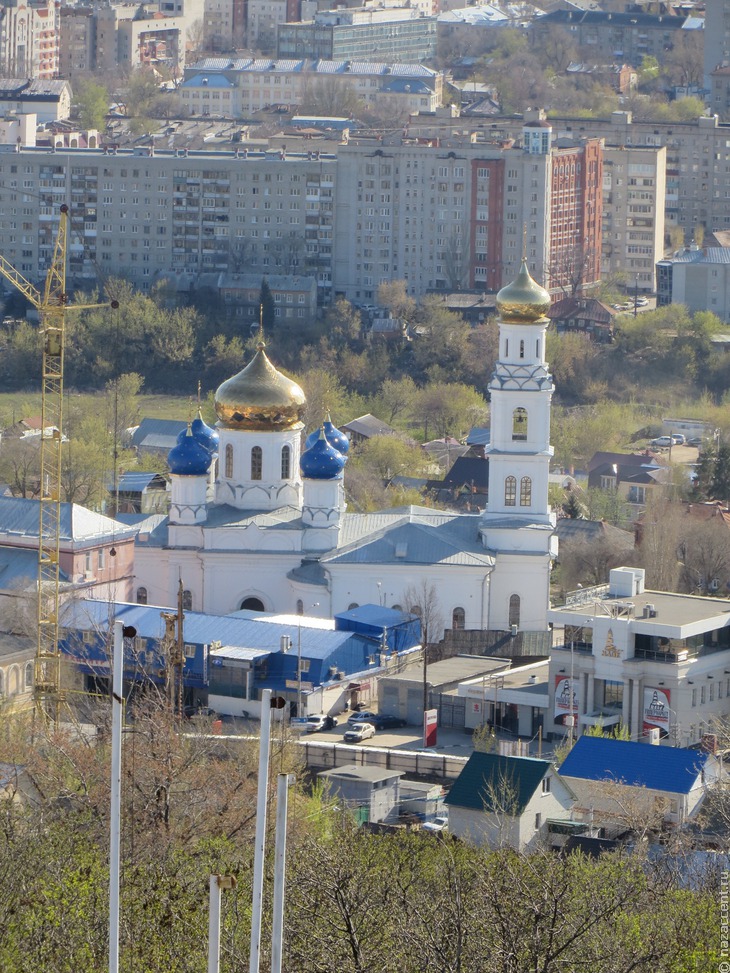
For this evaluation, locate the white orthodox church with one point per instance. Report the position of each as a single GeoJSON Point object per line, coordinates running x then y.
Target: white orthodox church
{"type": "Point", "coordinates": [274, 534]}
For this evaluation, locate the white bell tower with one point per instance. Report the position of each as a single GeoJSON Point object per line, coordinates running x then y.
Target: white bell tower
{"type": "Point", "coordinates": [518, 524]}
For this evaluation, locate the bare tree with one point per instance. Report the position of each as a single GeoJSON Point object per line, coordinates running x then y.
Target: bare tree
{"type": "Point", "coordinates": [422, 599]}
{"type": "Point", "coordinates": [573, 268]}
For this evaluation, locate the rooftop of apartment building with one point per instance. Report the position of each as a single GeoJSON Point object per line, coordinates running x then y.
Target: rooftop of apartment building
{"type": "Point", "coordinates": [265, 65]}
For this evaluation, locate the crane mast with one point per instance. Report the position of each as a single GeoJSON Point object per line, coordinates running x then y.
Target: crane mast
{"type": "Point", "coordinates": [51, 306]}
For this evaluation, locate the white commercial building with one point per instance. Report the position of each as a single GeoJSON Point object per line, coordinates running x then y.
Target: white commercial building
{"type": "Point", "coordinates": [655, 662]}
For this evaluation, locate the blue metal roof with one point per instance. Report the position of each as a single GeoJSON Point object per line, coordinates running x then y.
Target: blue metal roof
{"type": "Point", "coordinates": [202, 629]}
{"type": "Point", "coordinates": [19, 517]}
{"type": "Point", "coordinates": [19, 565]}
{"type": "Point", "coordinates": [133, 482]}
{"type": "Point", "coordinates": [207, 81]}
{"type": "Point", "coordinates": [657, 768]}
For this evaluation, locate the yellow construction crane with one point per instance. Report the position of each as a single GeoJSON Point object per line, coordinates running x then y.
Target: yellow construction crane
{"type": "Point", "coordinates": [51, 305]}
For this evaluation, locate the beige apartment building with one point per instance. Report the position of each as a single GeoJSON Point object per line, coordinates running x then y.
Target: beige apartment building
{"type": "Point", "coordinates": [634, 187]}
{"type": "Point", "coordinates": [413, 206]}
{"type": "Point", "coordinates": [241, 87]}
{"type": "Point", "coordinates": [29, 39]}
{"type": "Point", "coordinates": [147, 216]}
{"type": "Point", "coordinates": [697, 189]}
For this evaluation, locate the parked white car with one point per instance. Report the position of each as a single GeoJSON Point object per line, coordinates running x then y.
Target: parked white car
{"type": "Point", "coordinates": [359, 733]}
{"type": "Point", "coordinates": [439, 824]}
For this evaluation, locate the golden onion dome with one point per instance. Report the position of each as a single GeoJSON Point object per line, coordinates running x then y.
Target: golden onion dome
{"type": "Point", "coordinates": [259, 397]}
{"type": "Point", "coordinates": [523, 301]}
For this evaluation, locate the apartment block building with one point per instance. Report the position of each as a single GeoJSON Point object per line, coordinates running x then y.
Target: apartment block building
{"type": "Point", "coordinates": [146, 215]}
{"type": "Point", "coordinates": [458, 214]}
{"type": "Point", "coordinates": [634, 187]}
{"type": "Point", "coordinates": [697, 185]}
{"type": "Point", "coordinates": [399, 34]}
{"type": "Point", "coordinates": [716, 37]}
{"type": "Point", "coordinates": [700, 279]}
{"type": "Point", "coordinates": [240, 87]}
{"type": "Point", "coordinates": [608, 36]}
{"type": "Point", "coordinates": [29, 39]}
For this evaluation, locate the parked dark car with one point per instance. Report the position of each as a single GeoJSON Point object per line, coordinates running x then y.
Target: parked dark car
{"type": "Point", "coordinates": [384, 722]}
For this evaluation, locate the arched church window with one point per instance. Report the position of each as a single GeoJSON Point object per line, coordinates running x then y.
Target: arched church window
{"type": "Point", "coordinates": [187, 600]}
{"type": "Point", "coordinates": [229, 461]}
{"type": "Point", "coordinates": [458, 618]}
{"type": "Point", "coordinates": [537, 348]}
{"type": "Point", "coordinates": [510, 491]}
{"type": "Point", "coordinates": [352, 605]}
{"type": "Point", "coordinates": [525, 491]}
{"type": "Point", "coordinates": [514, 610]}
{"type": "Point", "coordinates": [522, 349]}
{"type": "Point", "coordinates": [257, 463]}
{"type": "Point", "coordinates": [300, 606]}
{"type": "Point", "coordinates": [141, 596]}
{"type": "Point", "coordinates": [506, 347]}
{"type": "Point", "coordinates": [397, 608]}
{"type": "Point", "coordinates": [2, 684]}
{"type": "Point", "coordinates": [519, 424]}
{"type": "Point", "coordinates": [252, 605]}
{"type": "Point", "coordinates": [285, 462]}
{"type": "Point", "coordinates": [29, 675]}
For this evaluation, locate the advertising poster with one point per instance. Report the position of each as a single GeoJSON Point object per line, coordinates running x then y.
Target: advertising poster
{"type": "Point", "coordinates": [563, 699]}
{"type": "Point", "coordinates": [656, 709]}
{"type": "Point", "coordinates": [430, 723]}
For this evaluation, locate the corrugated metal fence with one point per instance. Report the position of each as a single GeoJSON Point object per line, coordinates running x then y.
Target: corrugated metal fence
{"type": "Point", "coordinates": [322, 756]}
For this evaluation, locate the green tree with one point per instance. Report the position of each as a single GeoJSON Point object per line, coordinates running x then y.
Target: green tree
{"type": "Point", "coordinates": [450, 409]}
{"type": "Point", "coordinates": [720, 484]}
{"type": "Point", "coordinates": [92, 104]}
{"type": "Point", "coordinates": [268, 307]}
{"type": "Point", "coordinates": [389, 456]}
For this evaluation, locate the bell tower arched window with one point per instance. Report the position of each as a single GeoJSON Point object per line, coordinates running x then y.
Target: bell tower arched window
{"type": "Point", "coordinates": [458, 618]}
{"type": "Point", "coordinates": [141, 596]}
{"type": "Point", "coordinates": [187, 600]}
{"type": "Point", "coordinates": [519, 424]}
{"type": "Point", "coordinates": [286, 462]}
{"type": "Point", "coordinates": [510, 491]}
{"type": "Point", "coordinates": [525, 491]}
{"type": "Point", "coordinates": [229, 461]}
{"type": "Point", "coordinates": [514, 610]}
{"type": "Point", "coordinates": [257, 463]}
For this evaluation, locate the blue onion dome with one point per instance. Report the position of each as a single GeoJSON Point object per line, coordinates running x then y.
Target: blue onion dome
{"type": "Point", "coordinates": [333, 435]}
{"type": "Point", "coordinates": [205, 435]}
{"type": "Point", "coordinates": [321, 461]}
{"type": "Point", "coordinates": [188, 458]}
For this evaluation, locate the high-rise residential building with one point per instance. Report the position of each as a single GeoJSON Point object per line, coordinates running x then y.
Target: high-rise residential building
{"type": "Point", "coordinates": [634, 186]}
{"type": "Point", "coordinates": [152, 215]}
{"type": "Point", "coordinates": [716, 37]}
{"type": "Point", "coordinates": [29, 39]}
{"type": "Point", "coordinates": [458, 214]}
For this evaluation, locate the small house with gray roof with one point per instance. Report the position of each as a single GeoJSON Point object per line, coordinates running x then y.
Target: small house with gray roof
{"type": "Point", "coordinates": [507, 802]}
{"type": "Point", "coordinates": [372, 794]}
